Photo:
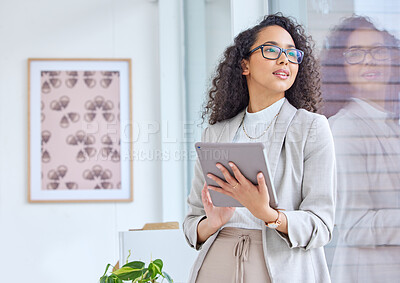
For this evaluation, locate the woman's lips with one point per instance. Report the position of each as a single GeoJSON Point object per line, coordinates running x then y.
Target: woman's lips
{"type": "Point", "coordinates": [282, 74]}
{"type": "Point", "coordinates": [371, 75]}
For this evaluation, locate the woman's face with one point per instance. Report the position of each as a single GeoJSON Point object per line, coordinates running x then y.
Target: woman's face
{"type": "Point", "coordinates": [266, 76]}
{"type": "Point", "coordinates": [369, 72]}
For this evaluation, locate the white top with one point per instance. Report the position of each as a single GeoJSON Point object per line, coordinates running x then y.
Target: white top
{"type": "Point", "coordinates": [255, 124]}
{"type": "Point", "coordinates": [373, 110]}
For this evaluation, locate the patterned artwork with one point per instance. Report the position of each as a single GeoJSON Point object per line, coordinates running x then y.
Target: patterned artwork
{"type": "Point", "coordinates": [80, 130]}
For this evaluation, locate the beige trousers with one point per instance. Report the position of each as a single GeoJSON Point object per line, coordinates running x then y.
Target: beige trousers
{"type": "Point", "coordinates": [235, 256]}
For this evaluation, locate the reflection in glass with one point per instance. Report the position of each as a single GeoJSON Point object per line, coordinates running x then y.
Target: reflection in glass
{"type": "Point", "coordinates": [361, 88]}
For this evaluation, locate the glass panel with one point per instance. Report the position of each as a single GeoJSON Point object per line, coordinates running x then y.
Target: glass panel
{"type": "Point", "coordinates": [358, 45]}
{"type": "Point", "coordinates": [207, 34]}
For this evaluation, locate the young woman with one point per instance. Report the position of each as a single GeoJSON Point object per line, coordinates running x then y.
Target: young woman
{"type": "Point", "coordinates": [265, 90]}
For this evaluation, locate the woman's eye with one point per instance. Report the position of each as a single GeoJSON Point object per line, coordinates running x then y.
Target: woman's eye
{"type": "Point", "coordinates": [271, 50]}
{"type": "Point", "coordinates": [381, 51]}
{"type": "Point", "coordinates": [354, 54]}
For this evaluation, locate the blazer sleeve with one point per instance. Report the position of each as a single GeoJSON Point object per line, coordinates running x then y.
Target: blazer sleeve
{"type": "Point", "coordinates": [196, 211]}
{"type": "Point", "coordinates": [311, 225]}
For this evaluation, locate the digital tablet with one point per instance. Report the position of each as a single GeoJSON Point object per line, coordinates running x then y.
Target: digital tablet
{"type": "Point", "coordinates": [250, 158]}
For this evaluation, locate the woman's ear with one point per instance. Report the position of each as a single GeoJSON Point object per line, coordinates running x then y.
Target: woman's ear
{"type": "Point", "coordinates": [245, 67]}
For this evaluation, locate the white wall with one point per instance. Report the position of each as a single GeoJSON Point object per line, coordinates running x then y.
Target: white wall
{"type": "Point", "coordinates": [63, 242]}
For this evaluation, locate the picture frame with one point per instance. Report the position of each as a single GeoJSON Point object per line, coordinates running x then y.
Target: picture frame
{"type": "Point", "coordinates": [79, 130]}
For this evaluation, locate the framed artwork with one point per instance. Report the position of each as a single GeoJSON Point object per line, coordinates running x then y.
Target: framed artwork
{"type": "Point", "coordinates": [79, 130]}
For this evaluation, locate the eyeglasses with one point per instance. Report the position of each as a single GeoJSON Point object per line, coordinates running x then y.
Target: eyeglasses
{"type": "Point", "coordinates": [273, 52]}
{"type": "Point", "coordinates": [357, 55]}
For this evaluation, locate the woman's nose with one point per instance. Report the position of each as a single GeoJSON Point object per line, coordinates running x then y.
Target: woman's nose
{"type": "Point", "coordinates": [282, 59]}
{"type": "Point", "coordinates": [369, 60]}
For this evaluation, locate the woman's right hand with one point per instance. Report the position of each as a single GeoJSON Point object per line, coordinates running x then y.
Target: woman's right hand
{"type": "Point", "coordinates": [216, 216]}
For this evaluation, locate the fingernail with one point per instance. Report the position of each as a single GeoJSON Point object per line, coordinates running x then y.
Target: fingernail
{"type": "Point", "coordinates": [260, 176]}
{"type": "Point", "coordinates": [218, 166]}
{"type": "Point", "coordinates": [209, 176]}
{"type": "Point", "coordinates": [231, 164]}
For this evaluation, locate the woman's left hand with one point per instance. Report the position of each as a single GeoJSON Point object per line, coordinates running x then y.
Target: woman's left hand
{"type": "Point", "coordinates": [254, 197]}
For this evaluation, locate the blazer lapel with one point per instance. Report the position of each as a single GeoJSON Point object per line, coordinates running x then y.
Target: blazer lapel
{"type": "Point", "coordinates": [279, 133]}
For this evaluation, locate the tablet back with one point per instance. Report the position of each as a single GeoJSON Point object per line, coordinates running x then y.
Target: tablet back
{"type": "Point", "coordinates": [250, 158]}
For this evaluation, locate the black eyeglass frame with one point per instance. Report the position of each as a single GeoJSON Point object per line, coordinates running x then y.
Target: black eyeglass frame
{"type": "Point", "coordinates": [280, 52]}
{"type": "Point", "coordinates": [369, 51]}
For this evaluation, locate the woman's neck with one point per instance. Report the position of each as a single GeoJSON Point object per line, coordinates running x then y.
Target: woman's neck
{"type": "Point", "coordinates": [375, 98]}
{"type": "Point", "coordinates": [260, 102]}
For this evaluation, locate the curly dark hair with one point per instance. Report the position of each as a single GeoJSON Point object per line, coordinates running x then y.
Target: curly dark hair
{"type": "Point", "coordinates": [229, 93]}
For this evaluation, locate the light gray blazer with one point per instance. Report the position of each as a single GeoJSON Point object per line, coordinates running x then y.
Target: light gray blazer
{"type": "Point", "coordinates": [368, 206]}
{"type": "Point", "coordinates": [302, 162]}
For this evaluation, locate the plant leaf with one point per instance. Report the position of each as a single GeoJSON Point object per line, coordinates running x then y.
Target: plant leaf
{"type": "Point", "coordinates": [142, 279]}
{"type": "Point", "coordinates": [128, 273]}
{"type": "Point", "coordinates": [135, 264]}
{"type": "Point", "coordinates": [110, 279]}
{"type": "Point", "coordinates": [136, 271]}
{"type": "Point", "coordinates": [107, 267]}
{"type": "Point", "coordinates": [166, 276]}
{"type": "Point", "coordinates": [153, 269]}
{"type": "Point", "coordinates": [159, 263]}
{"type": "Point", "coordinates": [156, 266]}
{"type": "Point", "coordinates": [148, 275]}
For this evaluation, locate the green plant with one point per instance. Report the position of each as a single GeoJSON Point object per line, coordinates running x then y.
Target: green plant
{"type": "Point", "coordinates": [136, 271]}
